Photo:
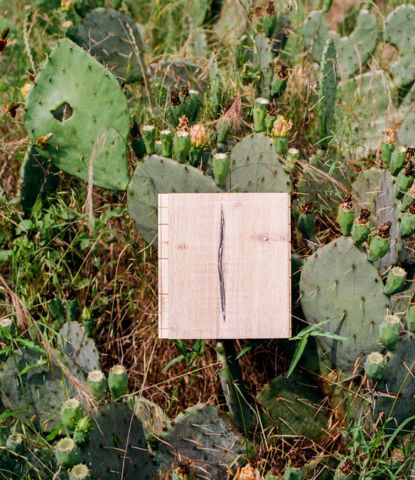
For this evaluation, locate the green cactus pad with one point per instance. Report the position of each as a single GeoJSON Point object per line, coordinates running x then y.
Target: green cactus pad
{"type": "Point", "coordinates": [395, 394]}
{"type": "Point", "coordinates": [315, 31]}
{"type": "Point", "coordinates": [114, 40]}
{"type": "Point", "coordinates": [96, 123]}
{"type": "Point", "coordinates": [40, 391]}
{"type": "Point", "coordinates": [292, 406]}
{"type": "Point", "coordinates": [374, 189]}
{"type": "Point", "coordinates": [161, 175]}
{"type": "Point", "coordinates": [363, 108]}
{"type": "Point", "coordinates": [341, 287]}
{"type": "Point", "coordinates": [255, 167]}
{"type": "Point", "coordinates": [327, 92]}
{"type": "Point", "coordinates": [206, 439]}
{"type": "Point", "coordinates": [263, 60]}
{"type": "Point", "coordinates": [398, 31]}
{"type": "Point", "coordinates": [117, 444]}
{"type": "Point", "coordinates": [39, 179]}
{"type": "Point", "coordinates": [76, 344]}
{"type": "Point", "coordinates": [353, 52]}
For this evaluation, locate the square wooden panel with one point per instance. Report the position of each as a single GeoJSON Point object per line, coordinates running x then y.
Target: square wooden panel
{"type": "Point", "coordinates": [224, 265]}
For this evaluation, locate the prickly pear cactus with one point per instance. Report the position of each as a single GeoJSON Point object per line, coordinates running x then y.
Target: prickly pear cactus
{"type": "Point", "coordinates": [374, 189]}
{"type": "Point", "coordinates": [292, 406]}
{"type": "Point", "coordinates": [255, 167]}
{"type": "Point", "coordinates": [364, 109]}
{"type": "Point", "coordinates": [398, 31]}
{"type": "Point", "coordinates": [78, 113]}
{"type": "Point", "coordinates": [203, 438]}
{"type": "Point", "coordinates": [327, 92]}
{"type": "Point", "coordinates": [39, 179]}
{"type": "Point", "coordinates": [340, 287]}
{"type": "Point", "coordinates": [117, 446]}
{"type": "Point", "coordinates": [76, 344]}
{"type": "Point", "coordinates": [263, 60]}
{"type": "Point", "coordinates": [28, 383]}
{"type": "Point", "coordinates": [114, 40]}
{"type": "Point", "coordinates": [353, 52]}
{"type": "Point", "coordinates": [161, 175]}
{"type": "Point", "coordinates": [394, 392]}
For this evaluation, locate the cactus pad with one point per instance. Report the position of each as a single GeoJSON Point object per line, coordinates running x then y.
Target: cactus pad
{"type": "Point", "coordinates": [293, 407]}
{"type": "Point", "coordinates": [205, 439]}
{"type": "Point", "coordinates": [117, 447]}
{"type": "Point", "coordinates": [39, 179]}
{"type": "Point", "coordinates": [82, 105]}
{"type": "Point", "coordinates": [327, 92]}
{"type": "Point", "coordinates": [161, 175]}
{"type": "Point", "coordinates": [398, 31]}
{"type": "Point", "coordinates": [40, 391]}
{"type": "Point", "coordinates": [114, 40]}
{"type": "Point", "coordinates": [341, 287]}
{"type": "Point", "coordinates": [363, 108]}
{"type": "Point", "coordinates": [255, 167]}
{"type": "Point", "coordinates": [394, 396]}
{"type": "Point", "coordinates": [374, 189]}
{"type": "Point", "coordinates": [76, 344]}
{"type": "Point", "coordinates": [353, 52]}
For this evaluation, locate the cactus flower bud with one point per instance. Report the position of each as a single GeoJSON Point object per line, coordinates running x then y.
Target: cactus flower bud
{"type": "Point", "coordinates": [79, 472]}
{"type": "Point", "coordinates": [380, 242]}
{"type": "Point", "coordinates": [280, 132]}
{"type": "Point", "coordinates": [6, 328]}
{"type": "Point", "coordinates": [71, 412]}
{"type": "Point", "coordinates": [388, 146]}
{"type": "Point", "coordinates": [397, 161]}
{"type": "Point", "coordinates": [405, 179]}
{"type": "Point", "coordinates": [220, 167]}
{"type": "Point", "coordinates": [291, 159]}
{"type": "Point", "coordinates": [374, 366]}
{"type": "Point", "coordinates": [395, 280]}
{"type": "Point", "coordinates": [345, 215]}
{"type": "Point", "coordinates": [15, 443]}
{"type": "Point", "coordinates": [166, 138]}
{"type": "Point", "coordinates": [118, 381]}
{"type": "Point", "coordinates": [361, 227]}
{"type": "Point", "coordinates": [181, 146]}
{"type": "Point", "coordinates": [306, 220]}
{"type": "Point", "coordinates": [67, 453]}
{"type": "Point", "coordinates": [97, 384]}
{"type": "Point", "coordinates": [198, 135]}
{"type": "Point", "coordinates": [259, 113]}
{"type": "Point", "coordinates": [407, 221]}
{"type": "Point", "coordinates": [389, 331]}
{"type": "Point", "coordinates": [149, 137]}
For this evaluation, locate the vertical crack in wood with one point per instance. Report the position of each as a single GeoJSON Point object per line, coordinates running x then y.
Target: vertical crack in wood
{"type": "Point", "coordinates": [220, 264]}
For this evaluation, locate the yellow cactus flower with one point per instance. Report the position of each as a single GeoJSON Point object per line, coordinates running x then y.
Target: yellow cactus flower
{"type": "Point", "coordinates": [281, 127]}
{"type": "Point", "coordinates": [198, 135]}
{"type": "Point", "coordinates": [26, 89]}
{"type": "Point", "coordinates": [66, 5]}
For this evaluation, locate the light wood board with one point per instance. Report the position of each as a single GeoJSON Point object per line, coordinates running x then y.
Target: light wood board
{"type": "Point", "coordinates": [224, 265]}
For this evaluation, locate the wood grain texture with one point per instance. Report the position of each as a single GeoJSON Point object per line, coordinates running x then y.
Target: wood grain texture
{"type": "Point", "coordinates": [224, 265]}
